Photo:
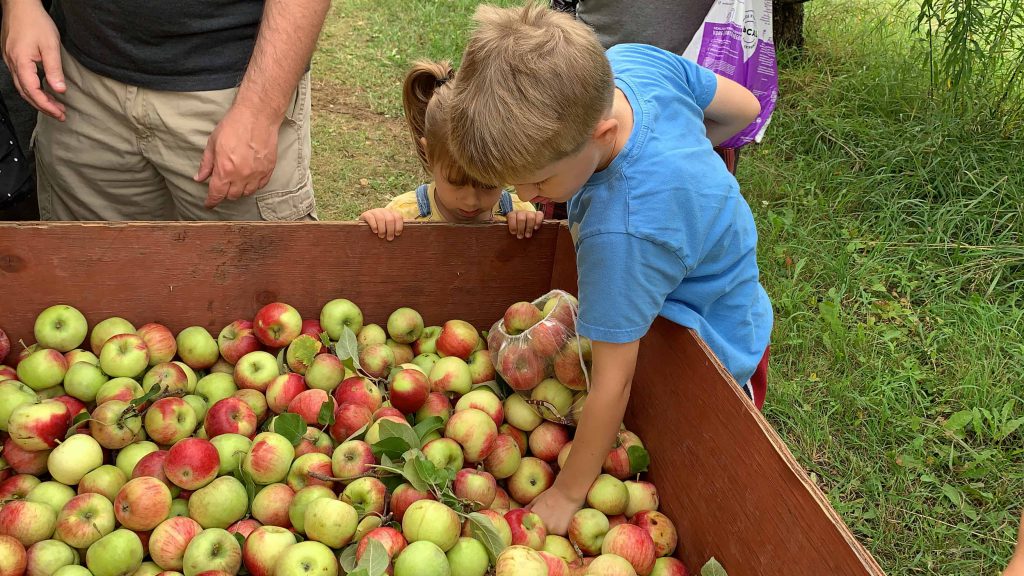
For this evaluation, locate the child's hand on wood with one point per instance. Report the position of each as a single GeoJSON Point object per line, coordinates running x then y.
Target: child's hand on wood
{"type": "Point", "coordinates": [522, 223]}
{"type": "Point", "coordinates": [383, 222]}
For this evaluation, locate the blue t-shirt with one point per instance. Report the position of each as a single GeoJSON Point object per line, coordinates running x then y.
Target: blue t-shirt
{"type": "Point", "coordinates": [663, 230]}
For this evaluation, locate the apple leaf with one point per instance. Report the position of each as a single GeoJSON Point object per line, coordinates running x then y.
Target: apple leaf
{"type": "Point", "coordinates": [282, 366]}
{"type": "Point", "coordinates": [247, 481]}
{"type": "Point", "coordinates": [391, 429]}
{"type": "Point", "coordinates": [493, 386]}
{"type": "Point", "coordinates": [304, 348]}
{"type": "Point", "coordinates": [483, 529]}
{"type": "Point", "coordinates": [291, 426]}
{"type": "Point", "coordinates": [639, 459]}
{"type": "Point", "coordinates": [427, 426]}
{"type": "Point", "coordinates": [325, 340]}
{"type": "Point", "coordinates": [347, 558]}
{"type": "Point", "coordinates": [326, 415]}
{"type": "Point", "coordinates": [153, 392]}
{"type": "Point", "coordinates": [358, 433]}
{"type": "Point", "coordinates": [430, 474]}
{"type": "Point", "coordinates": [348, 347]}
{"type": "Point", "coordinates": [412, 474]}
{"type": "Point", "coordinates": [241, 539]}
{"type": "Point", "coordinates": [392, 483]}
{"type": "Point", "coordinates": [359, 572]}
{"type": "Point", "coordinates": [82, 417]}
{"type": "Point", "coordinates": [713, 568]}
{"type": "Point", "coordinates": [391, 447]}
{"type": "Point", "coordinates": [375, 558]}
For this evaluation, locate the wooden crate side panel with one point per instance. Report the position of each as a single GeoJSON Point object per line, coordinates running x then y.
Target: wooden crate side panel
{"type": "Point", "coordinates": [211, 274]}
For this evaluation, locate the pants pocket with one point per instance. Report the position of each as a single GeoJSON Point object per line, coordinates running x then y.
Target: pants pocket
{"type": "Point", "coordinates": [281, 205]}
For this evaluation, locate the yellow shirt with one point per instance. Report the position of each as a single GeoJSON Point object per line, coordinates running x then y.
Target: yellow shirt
{"type": "Point", "coordinates": [408, 206]}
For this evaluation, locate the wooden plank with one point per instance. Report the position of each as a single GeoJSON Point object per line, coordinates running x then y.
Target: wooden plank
{"type": "Point", "coordinates": [209, 274]}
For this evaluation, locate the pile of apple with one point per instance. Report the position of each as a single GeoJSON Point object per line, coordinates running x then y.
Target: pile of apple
{"type": "Point", "coordinates": [294, 447]}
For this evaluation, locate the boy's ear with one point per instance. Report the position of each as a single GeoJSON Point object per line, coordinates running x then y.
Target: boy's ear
{"type": "Point", "coordinates": [606, 131]}
{"type": "Point", "coordinates": [423, 142]}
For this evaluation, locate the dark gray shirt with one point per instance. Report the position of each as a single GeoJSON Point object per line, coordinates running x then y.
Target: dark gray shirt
{"type": "Point", "coordinates": [179, 45]}
{"type": "Point", "coordinates": [667, 24]}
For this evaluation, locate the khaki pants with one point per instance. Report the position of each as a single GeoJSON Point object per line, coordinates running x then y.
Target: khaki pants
{"type": "Point", "coordinates": [129, 153]}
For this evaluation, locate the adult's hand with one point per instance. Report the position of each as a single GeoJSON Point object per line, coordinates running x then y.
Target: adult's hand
{"type": "Point", "coordinates": [29, 37]}
{"type": "Point", "coordinates": [240, 155]}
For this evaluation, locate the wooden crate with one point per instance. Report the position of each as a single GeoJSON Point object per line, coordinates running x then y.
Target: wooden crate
{"type": "Point", "coordinates": [723, 473]}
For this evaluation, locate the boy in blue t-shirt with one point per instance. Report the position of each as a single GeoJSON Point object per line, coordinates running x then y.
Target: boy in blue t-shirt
{"type": "Point", "coordinates": [626, 138]}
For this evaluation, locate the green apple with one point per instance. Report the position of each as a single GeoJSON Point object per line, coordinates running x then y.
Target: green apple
{"type": "Point", "coordinates": [148, 569]}
{"type": "Point", "coordinates": [331, 522]}
{"type": "Point", "coordinates": [215, 387]}
{"type": "Point", "coordinates": [13, 394]}
{"type": "Point", "coordinates": [371, 334]}
{"type": "Point", "coordinates": [405, 325]}
{"type": "Point", "coordinates": [444, 453]}
{"type": "Point", "coordinates": [312, 462]}
{"type": "Point", "coordinates": [643, 496]}
{"type": "Point", "coordinates": [561, 547]}
{"type": "Point", "coordinates": [422, 558]}
{"type": "Point", "coordinates": [468, 558]}
{"type": "Point", "coordinates": [297, 510]}
{"type": "Point", "coordinates": [72, 570]}
{"type": "Point", "coordinates": [263, 547]}
{"type": "Point", "coordinates": [123, 389]}
{"type": "Point", "coordinates": [198, 405]}
{"type": "Point", "coordinates": [231, 448]}
{"type": "Point", "coordinates": [79, 355]}
{"type": "Point", "coordinates": [338, 314]}
{"type": "Point", "coordinates": [520, 561]}
{"type": "Point", "coordinates": [256, 370]}
{"type": "Point", "coordinates": [190, 374]}
{"type": "Point", "coordinates": [554, 393]}
{"type": "Point", "coordinates": [212, 549]}
{"type": "Point", "coordinates": [61, 327]}
{"type": "Point", "coordinates": [116, 554]}
{"type": "Point", "coordinates": [106, 329]}
{"type": "Point", "coordinates": [85, 519]}
{"type": "Point", "coordinates": [307, 558]}
{"type": "Point", "coordinates": [83, 380]}
{"type": "Point", "coordinates": [426, 361]}
{"type": "Point", "coordinates": [169, 420]}
{"type": "Point", "coordinates": [48, 556]}
{"type": "Point", "coordinates": [130, 455]}
{"type": "Point", "coordinates": [450, 375]}
{"type": "Point", "coordinates": [53, 494]}
{"type": "Point", "coordinates": [269, 458]}
{"type": "Point", "coordinates": [124, 355]}
{"type": "Point", "coordinates": [431, 521]}
{"type": "Point", "coordinates": [179, 507]}
{"type": "Point", "coordinates": [106, 480]}
{"type": "Point", "coordinates": [475, 431]}
{"type": "Point", "coordinates": [219, 504]}
{"type": "Point", "coordinates": [611, 564]}
{"type": "Point", "coordinates": [519, 413]}
{"type": "Point", "coordinates": [42, 369]}
{"type": "Point", "coordinates": [74, 458]}
{"type": "Point", "coordinates": [609, 495]}
{"type": "Point", "coordinates": [197, 347]}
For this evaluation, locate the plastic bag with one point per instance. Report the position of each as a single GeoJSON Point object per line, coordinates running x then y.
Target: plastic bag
{"type": "Point", "coordinates": [536, 351]}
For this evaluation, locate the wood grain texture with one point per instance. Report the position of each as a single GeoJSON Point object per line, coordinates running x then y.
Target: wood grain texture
{"type": "Point", "coordinates": [211, 274]}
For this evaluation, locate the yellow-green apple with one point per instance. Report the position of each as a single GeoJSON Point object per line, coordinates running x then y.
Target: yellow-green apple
{"type": "Point", "coordinates": [13, 394]}
{"type": "Point", "coordinates": [23, 461]}
{"type": "Point", "coordinates": [106, 480]}
{"type": "Point", "coordinates": [166, 376]}
{"type": "Point", "coordinates": [475, 486]}
{"type": "Point", "coordinates": [485, 400]}
{"type": "Point", "coordinates": [256, 401]}
{"type": "Point", "coordinates": [405, 325]}
{"type": "Point", "coordinates": [557, 397]}
{"type": "Point", "coordinates": [642, 496]}
{"type": "Point", "coordinates": [304, 469]}
{"type": "Point", "coordinates": [297, 509]}
{"type": "Point", "coordinates": [142, 503]}
{"type": "Point", "coordinates": [561, 547]}
{"type": "Point", "coordinates": [277, 324]}
{"type": "Point", "coordinates": [450, 375]}
{"type": "Point", "coordinates": [520, 561]}
{"type": "Point", "coordinates": [192, 378]}
{"type": "Point", "coordinates": [481, 368]}
{"type": "Point", "coordinates": [256, 370]}
{"type": "Point", "coordinates": [632, 543]}
{"type": "Point", "coordinates": [548, 337]}
{"type": "Point", "coordinates": [527, 528]}
{"type": "Point", "coordinates": [36, 427]}
{"type": "Point", "coordinates": [124, 355]}
{"type": "Point", "coordinates": [587, 530]}
{"type": "Point", "coordinates": [660, 528]}
{"type": "Point", "coordinates": [159, 341]}
{"type": "Point", "coordinates": [519, 413]}
{"type": "Point", "coordinates": [82, 380]}
{"type": "Point", "coordinates": [269, 458]}
{"type": "Point", "coordinates": [499, 523]}
{"type": "Point", "coordinates": [358, 390]}
{"type": "Point", "coordinates": [669, 567]}
{"type": "Point", "coordinates": [80, 355]}
{"type": "Point", "coordinates": [244, 527]}
{"type": "Point", "coordinates": [197, 348]}
{"type": "Point", "coordinates": [426, 361]}
{"type": "Point", "coordinates": [377, 360]}
{"type": "Point", "coordinates": [212, 549]}
{"type": "Point", "coordinates": [468, 558]}
{"type": "Point", "coordinates": [520, 366]}
{"type": "Point", "coordinates": [409, 390]}
{"type": "Point", "coordinates": [433, 522]}
{"type": "Point", "coordinates": [192, 463]}
{"type": "Point", "coordinates": [169, 420]}
{"type": "Point", "coordinates": [42, 369]}
{"type": "Point", "coordinates": [51, 393]}
{"type": "Point", "coordinates": [222, 366]}
{"type": "Point", "coordinates": [219, 504]}
{"type": "Point", "coordinates": [169, 540]}
{"type": "Point", "coordinates": [263, 547]}
{"type": "Point", "coordinates": [352, 459]}
{"type": "Point", "coordinates": [106, 329]}
{"type": "Point", "coordinates": [72, 570]}
{"type": "Point", "coordinates": [230, 416]}
{"type": "Point", "coordinates": [307, 405]}
{"type": "Point", "coordinates": [444, 453]}
{"type": "Point", "coordinates": [74, 458]}
{"type": "Point", "coordinates": [403, 496]}
{"type": "Point", "coordinates": [402, 352]}
{"type": "Point", "coordinates": [609, 495]}
{"type": "Point", "coordinates": [339, 314]}
{"type": "Point", "coordinates": [270, 506]}
{"type": "Point", "coordinates": [215, 387]}
{"type": "Point", "coordinates": [437, 404]}
{"type": "Point", "coordinates": [129, 456]}
{"type": "Point", "coordinates": [199, 406]}
{"type": "Point", "coordinates": [282, 390]}
{"type": "Point", "coordinates": [325, 372]}
{"type": "Point", "coordinates": [307, 558]}
{"type": "Point", "coordinates": [119, 553]}
{"type": "Point", "coordinates": [610, 565]}
{"type": "Point", "coordinates": [457, 338]}
{"type": "Point", "coordinates": [567, 363]}
{"type": "Point", "coordinates": [371, 334]}
{"type": "Point", "coordinates": [314, 441]}
{"type": "Point", "coordinates": [28, 521]}
{"type": "Point", "coordinates": [520, 317]}
{"type": "Point", "coordinates": [231, 448]}
{"type": "Point", "coordinates": [367, 495]}
{"type": "Point", "coordinates": [475, 431]}
{"type": "Point", "coordinates": [331, 522]}
{"type": "Point", "coordinates": [25, 352]}
{"type": "Point", "coordinates": [531, 478]}
{"type": "Point", "coordinates": [61, 327]}
{"type": "Point", "coordinates": [123, 389]}
{"type": "Point", "coordinates": [504, 458]}
{"type": "Point", "coordinates": [52, 493]}
{"type": "Point", "coordinates": [13, 558]}
{"type": "Point", "coordinates": [547, 440]}
{"type": "Point", "coordinates": [349, 418]}
{"type": "Point", "coordinates": [422, 558]}
{"type": "Point", "coordinates": [502, 503]}
{"type": "Point", "coordinates": [236, 340]}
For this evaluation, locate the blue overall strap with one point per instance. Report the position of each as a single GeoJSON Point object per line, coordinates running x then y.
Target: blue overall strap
{"type": "Point", "coordinates": [505, 203]}
{"type": "Point", "coordinates": [423, 200]}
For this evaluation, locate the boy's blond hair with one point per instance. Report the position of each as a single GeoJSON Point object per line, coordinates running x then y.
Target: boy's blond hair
{"type": "Point", "coordinates": [532, 87]}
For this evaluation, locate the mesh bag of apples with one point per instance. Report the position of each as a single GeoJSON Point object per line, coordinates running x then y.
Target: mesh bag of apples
{"type": "Point", "coordinates": [286, 446]}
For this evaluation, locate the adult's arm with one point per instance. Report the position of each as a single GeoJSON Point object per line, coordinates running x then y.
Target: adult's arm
{"type": "Point", "coordinates": [30, 38]}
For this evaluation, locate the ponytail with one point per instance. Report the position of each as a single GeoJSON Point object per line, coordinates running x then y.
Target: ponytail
{"type": "Point", "coordinates": [422, 82]}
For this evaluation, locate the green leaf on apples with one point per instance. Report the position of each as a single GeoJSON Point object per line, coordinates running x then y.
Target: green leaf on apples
{"type": "Point", "coordinates": [282, 366]}
{"type": "Point", "coordinates": [429, 473]}
{"type": "Point", "coordinates": [392, 482]}
{"type": "Point", "coordinates": [304, 349]}
{"type": "Point", "coordinates": [427, 426]}
{"type": "Point", "coordinates": [483, 529]}
{"type": "Point", "coordinates": [358, 433]}
{"type": "Point", "coordinates": [391, 447]}
{"type": "Point", "coordinates": [391, 429]}
{"type": "Point", "coordinates": [326, 415]}
{"type": "Point", "coordinates": [325, 340]}
{"type": "Point", "coordinates": [82, 417]}
{"type": "Point", "coordinates": [492, 385]}
{"type": "Point", "coordinates": [240, 539]}
{"type": "Point", "coordinates": [247, 481]}
{"type": "Point", "coordinates": [412, 474]}
{"type": "Point", "coordinates": [347, 558]}
{"type": "Point", "coordinates": [639, 459]}
{"type": "Point", "coordinates": [713, 568]}
{"type": "Point", "coordinates": [291, 426]}
{"type": "Point", "coordinates": [359, 572]}
{"type": "Point", "coordinates": [153, 393]}
{"type": "Point", "coordinates": [375, 558]}
{"type": "Point", "coordinates": [348, 347]}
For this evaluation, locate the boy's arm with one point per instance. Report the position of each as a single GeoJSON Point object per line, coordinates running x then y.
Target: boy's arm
{"type": "Point", "coordinates": [732, 109]}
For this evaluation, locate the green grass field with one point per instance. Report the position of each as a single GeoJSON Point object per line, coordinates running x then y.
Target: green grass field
{"type": "Point", "coordinates": [890, 243]}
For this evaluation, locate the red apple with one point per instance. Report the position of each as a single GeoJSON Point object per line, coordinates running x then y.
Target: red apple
{"type": "Point", "coordinates": [160, 342]}
{"type": "Point", "coordinates": [358, 390]}
{"type": "Point", "coordinates": [520, 317]}
{"type": "Point", "coordinates": [547, 338]}
{"type": "Point", "coordinates": [231, 416]}
{"type": "Point", "coordinates": [394, 413]}
{"type": "Point", "coordinates": [457, 338]}
{"type": "Point", "coordinates": [255, 400]}
{"type": "Point", "coordinates": [29, 522]}
{"type": "Point", "coordinates": [236, 340]}
{"type": "Point", "coordinates": [352, 460]}
{"type": "Point", "coordinates": [152, 465]}
{"type": "Point", "coordinates": [547, 440]}
{"type": "Point", "coordinates": [169, 420]}
{"type": "Point", "coordinates": [367, 495]}
{"type": "Point", "coordinates": [476, 486]}
{"type": "Point", "coordinates": [485, 400]}
{"type": "Point", "coordinates": [567, 363]}
{"type": "Point", "coordinates": [481, 367]}
{"type": "Point", "coordinates": [17, 487]}
{"type": "Point", "coordinates": [504, 458]}
{"type": "Point", "coordinates": [632, 543]}
{"type": "Point", "coordinates": [39, 426]}
{"type": "Point", "coordinates": [527, 528]}
{"type": "Point", "coordinates": [533, 477]}
{"type": "Point", "coordinates": [311, 327]}
{"type": "Point", "coordinates": [142, 503]}
{"type": "Point", "coordinates": [244, 527]}
{"type": "Point", "coordinates": [450, 375]}
{"type": "Point", "coordinates": [437, 404]}
{"type": "Point", "coordinates": [520, 367]}
{"type": "Point", "coordinates": [84, 519]}
{"type": "Point", "coordinates": [502, 502]}
{"type": "Point", "coordinates": [305, 469]}
{"type": "Point", "coordinates": [111, 428]}
{"type": "Point", "coordinates": [192, 463]}
{"type": "Point", "coordinates": [661, 530]}
{"type": "Point", "coordinates": [348, 419]}
{"type": "Point", "coordinates": [24, 461]}
{"type": "Point", "coordinates": [403, 496]}
{"type": "Point", "coordinates": [269, 458]}
{"type": "Point", "coordinates": [169, 539]}
{"type": "Point", "coordinates": [403, 352]}
{"type": "Point", "coordinates": [409, 390]}
{"type": "Point", "coordinates": [392, 540]}
{"type": "Point", "coordinates": [282, 390]}
{"type": "Point", "coordinates": [377, 360]}
{"type": "Point", "coordinates": [270, 506]}
{"type": "Point", "coordinates": [5, 345]}
{"type": "Point", "coordinates": [277, 324]}
{"type": "Point", "coordinates": [314, 441]}
{"type": "Point", "coordinates": [522, 438]}
{"type": "Point", "coordinates": [556, 565]}
{"type": "Point", "coordinates": [307, 405]}
{"type": "Point", "coordinates": [165, 376]}
{"type": "Point", "coordinates": [669, 567]}
{"type": "Point", "coordinates": [263, 547]}
{"type": "Point", "coordinates": [474, 431]}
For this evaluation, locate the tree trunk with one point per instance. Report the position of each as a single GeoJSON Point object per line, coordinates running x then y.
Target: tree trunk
{"type": "Point", "coordinates": [788, 23]}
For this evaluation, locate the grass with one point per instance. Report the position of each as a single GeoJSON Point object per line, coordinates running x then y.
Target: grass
{"type": "Point", "coordinates": [890, 242]}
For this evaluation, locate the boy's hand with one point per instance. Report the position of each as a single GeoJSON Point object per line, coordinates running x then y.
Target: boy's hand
{"type": "Point", "coordinates": [555, 509]}
{"type": "Point", "coordinates": [1016, 567]}
{"type": "Point", "coordinates": [522, 223]}
{"type": "Point", "coordinates": [383, 222]}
